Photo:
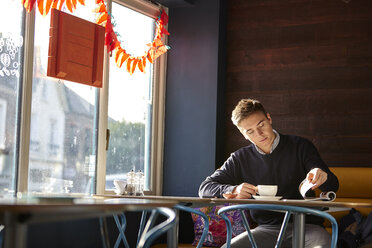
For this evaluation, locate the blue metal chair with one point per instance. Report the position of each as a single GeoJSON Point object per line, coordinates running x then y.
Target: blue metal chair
{"type": "Point", "coordinates": [120, 221]}
{"type": "Point", "coordinates": [271, 207]}
{"type": "Point", "coordinates": [121, 225]}
{"type": "Point", "coordinates": [146, 234]}
{"type": "Point", "coordinates": [206, 221]}
{"type": "Point", "coordinates": [1, 235]}
{"type": "Point", "coordinates": [150, 232]}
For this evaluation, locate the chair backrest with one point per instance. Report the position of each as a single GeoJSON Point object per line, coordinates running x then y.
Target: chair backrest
{"type": "Point", "coordinates": [150, 233]}
{"type": "Point", "coordinates": [206, 221]}
{"type": "Point", "coordinates": [272, 207]}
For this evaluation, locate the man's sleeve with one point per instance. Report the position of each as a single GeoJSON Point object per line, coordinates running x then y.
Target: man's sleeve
{"type": "Point", "coordinates": [223, 180]}
{"type": "Point", "coordinates": [312, 160]}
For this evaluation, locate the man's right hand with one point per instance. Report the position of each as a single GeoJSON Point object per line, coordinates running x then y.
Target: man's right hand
{"type": "Point", "coordinates": [242, 191]}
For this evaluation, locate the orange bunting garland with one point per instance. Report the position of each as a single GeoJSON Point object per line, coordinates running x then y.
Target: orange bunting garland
{"type": "Point", "coordinates": [156, 47]}
{"type": "Point", "coordinates": [44, 6]}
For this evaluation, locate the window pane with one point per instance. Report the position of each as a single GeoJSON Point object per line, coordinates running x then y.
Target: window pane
{"type": "Point", "coordinates": [130, 100]}
{"type": "Point", "coordinates": [11, 46]}
{"type": "Point", "coordinates": [63, 129]}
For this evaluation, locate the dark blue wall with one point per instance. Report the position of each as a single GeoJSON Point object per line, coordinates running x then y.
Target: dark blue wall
{"type": "Point", "coordinates": [191, 97]}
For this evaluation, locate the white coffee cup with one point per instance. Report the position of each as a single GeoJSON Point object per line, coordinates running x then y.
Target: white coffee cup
{"type": "Point", "coordinates": [267, 190]}
{"type": "Point", "coordinates": [120, 187]}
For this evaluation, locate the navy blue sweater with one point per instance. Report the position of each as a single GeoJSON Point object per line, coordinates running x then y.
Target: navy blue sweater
{"type": "Point", "coordinates": [286, 167]}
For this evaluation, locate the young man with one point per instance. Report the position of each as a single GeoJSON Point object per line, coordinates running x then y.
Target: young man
{"type": "Point", "coordinates": [272, 158]}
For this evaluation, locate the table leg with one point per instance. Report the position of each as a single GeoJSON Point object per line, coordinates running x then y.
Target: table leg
{"type": "Point", "coordinates": [142, 225]}
{"type": "Point", "coordinates": [298, 239]}
{"type": "Point", "coordinates": [172, 235]}
{"type": "Point", "coordinates": [15, 232]}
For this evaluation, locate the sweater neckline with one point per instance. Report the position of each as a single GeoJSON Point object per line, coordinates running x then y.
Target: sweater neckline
{"type": "Point", "coordinates": [282, 141]}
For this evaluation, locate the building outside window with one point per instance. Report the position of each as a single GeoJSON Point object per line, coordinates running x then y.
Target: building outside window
{"type": "Point", "coordinates": [34, 142]}
{"type": "Point", "coordinates": [67, 121]}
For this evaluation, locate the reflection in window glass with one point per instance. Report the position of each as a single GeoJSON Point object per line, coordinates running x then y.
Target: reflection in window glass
{"type": "Point", "coordinates": [62, 145]}
{"type": "Point", "coordinates": [11, 46]}
{"type": "Point", "coordinates": [130, 100]}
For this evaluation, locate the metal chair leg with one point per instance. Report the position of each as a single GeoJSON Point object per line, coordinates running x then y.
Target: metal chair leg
{"type": "Point", "coordinates": [121, 227]}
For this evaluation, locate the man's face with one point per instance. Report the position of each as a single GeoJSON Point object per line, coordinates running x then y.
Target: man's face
{"type": "Point", "coordinates": [257, 129]}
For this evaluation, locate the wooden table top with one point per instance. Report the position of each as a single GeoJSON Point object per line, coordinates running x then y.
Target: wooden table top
{"type": "Point", "coordinates": [301, 203]}
{"type": "Point", "coordinates": [78, 204]}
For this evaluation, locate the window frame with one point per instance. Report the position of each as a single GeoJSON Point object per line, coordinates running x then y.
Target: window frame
{"type": "Point", "coordinates": [158, 111]}
{"type": "Point", "coordinates": [24, 101]}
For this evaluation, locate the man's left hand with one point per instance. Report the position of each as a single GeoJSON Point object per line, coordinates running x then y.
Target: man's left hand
{"type": "Point", "coordinates": [317, 177]}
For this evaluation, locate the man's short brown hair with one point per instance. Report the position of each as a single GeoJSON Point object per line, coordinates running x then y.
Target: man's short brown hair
{"type": "Point", "coordinates": [245, 108]}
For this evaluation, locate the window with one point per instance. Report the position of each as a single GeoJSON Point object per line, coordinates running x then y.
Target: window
{"type": "Point", "coordinates": [11, 47]}
{"type": "Point", "coordinates": [2, 123]}
{"type": "Point", "coordinates": [60, 145]}
{"type": "Point", "coordinates": [64, 110]}
{"type": "Point", "coordinates": [130, 100]}
{"type": "Point", "coordinates": [135, 103]}
{"type": "Point", "coordinates": [34, 142]}
{"type": "Point", "coordinates": [72, 132]}
{"type": "Point", "coordinates": [54, 138]}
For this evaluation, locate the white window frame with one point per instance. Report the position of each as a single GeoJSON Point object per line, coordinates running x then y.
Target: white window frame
{"type": "Point", "coordinates": [158, 112]}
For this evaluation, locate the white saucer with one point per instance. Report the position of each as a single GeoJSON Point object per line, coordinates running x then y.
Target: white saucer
{"type": "Point", "coordinates": [267, 198]}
